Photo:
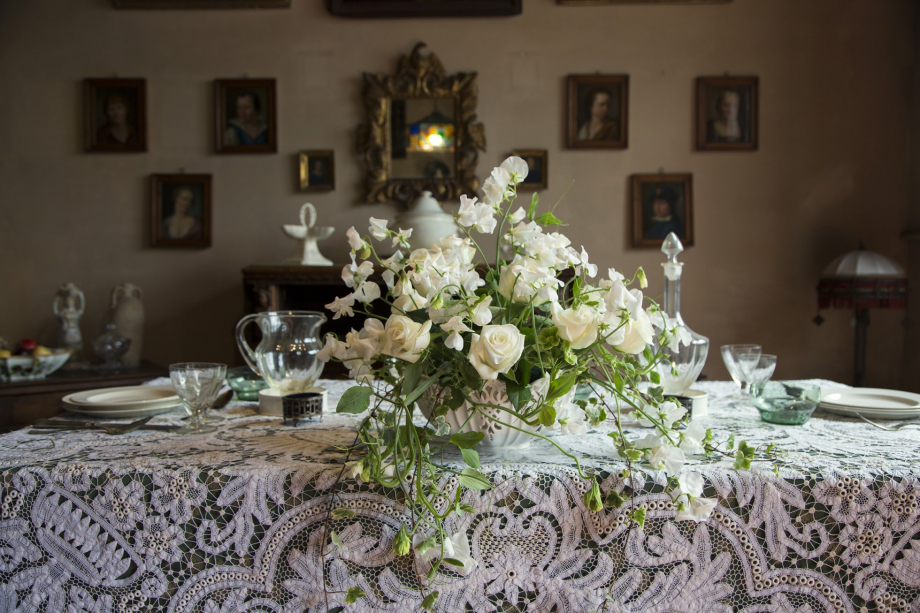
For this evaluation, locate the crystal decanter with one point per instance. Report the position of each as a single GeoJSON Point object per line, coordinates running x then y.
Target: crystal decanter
{"type": "Point", "coordinates": [687, 362]}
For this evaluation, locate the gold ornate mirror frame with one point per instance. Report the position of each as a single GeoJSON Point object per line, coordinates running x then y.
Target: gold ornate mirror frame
{"type": "Point", "coordinates": [419, 75]}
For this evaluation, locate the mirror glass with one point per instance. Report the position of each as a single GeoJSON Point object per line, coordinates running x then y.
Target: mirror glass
{"type": "Point", "coordinates": [423, 137]}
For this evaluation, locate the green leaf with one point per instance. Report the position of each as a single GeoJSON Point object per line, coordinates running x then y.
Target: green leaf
{"type": "Point", "coordinates": [548, 219]}
{"type": "Point", "coordinates": [592, 498]}
{"type": "Point", "coordinates": [442, 428]}
{"type": "Point", "coordinates": [428, 601]}
{"type": "Point", "coordinates": [466, 508]}
{"type": "Point", "coordinates": [533, 207]}
{"type": "Point", "coordinates": [638, 516]}
{"type": "Point", "coordinates": [654, 377]}
{"type": "Point", "coordinates": [411, 376]}
{"type": "Point", "coordinates": [425, 545]}
{"type": "Point", "coordinates": [454, 562]}
{"type": "Point", "coordinates": [634, 454]}
{"type": "Point", "coordinates": [336, 540]}
{"type": "Point", "coordinates": [456, 399]}
{"type": "Point", "coordinates": [474, 480]}
{"type": "Point", "coordinates": [418, 391]}
{"type": "Point", "coordinates": [471, 457]}
{"type": "Point", "coordinates": [746, 449]}
{"type": "Point", "coordinates": [518, 394]}
{"type": "Point", "coordinates": [419, 316]}
{"type": "Point", "coordinates": [618, 381]}
{"type": "Point", "coordinates": [560, 386]}
{"type": "Point", "coordinates": [730, 443]}
{"type": "Point", "coordinates": [342, 514]}
{"type": "Point", "coordinates": [466, 440]}
{"type": "Point", "coordinates": [648, 355]}
{"type": "Point", "coordinates": [547, 415]}
{"type": "Point", "coordinates": [576, 287]}
{"type": "Point", "coordinates": [614, 499]}
{"type": "Point", "coordinates": [354, 400]}
{"type": "Point", "coordinates": [353, 594]}
{"type": "Point", "coordinates": [569, 355]}
{"type": "Point", "coordinates": [470, 377]}
{"type": "Point", "coordinates": [742, 462]}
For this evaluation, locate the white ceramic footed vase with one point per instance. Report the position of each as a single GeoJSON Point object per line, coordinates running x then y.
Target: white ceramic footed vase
{"type": "Point", "coordinates": [497, 436]}
{"type": "Point", "coordinates": [128, 316]}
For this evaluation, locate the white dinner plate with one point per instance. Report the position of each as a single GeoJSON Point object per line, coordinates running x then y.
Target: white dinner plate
{"type": "Point", "coordinates": [113, 413]}
{"type": "Point", "coordinates": [126, 397]}
{"type": "Point", "coordinates": [871, 403]}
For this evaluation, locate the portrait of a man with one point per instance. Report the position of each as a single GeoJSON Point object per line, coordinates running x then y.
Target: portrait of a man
{"type": "Point", "coordinates": [727, 113]}
{"type": "Point", "coordinates": [181, 211]}
{"type": "Point", "coordinates": [597, 111]}
{"type": "Point", "coordinates": [661, 204]}
{"type": "Point", "coordinates": [317, 171]}
{"type": "Point", "coordinates": [115, 115]}
{"type": "Point", "coordinates": [246, 116]}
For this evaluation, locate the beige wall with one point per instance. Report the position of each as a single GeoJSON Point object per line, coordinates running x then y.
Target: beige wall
{"type": "Point", "coordinates": [832, 168]}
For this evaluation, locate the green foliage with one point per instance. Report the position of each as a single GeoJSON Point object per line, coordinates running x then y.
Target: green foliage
{"type": "Point", "coordinates": [466, 440]}
{"type": "Point", "coordinates": [411, 376]}
{"type": "Point", "coordinates": [518, 394]}
{"type": "Point", "coordinates": [354, 400]}
{"type": "Point", "coordinates": [638, 516]}
{"type": "Point", "coordinates": [592, 498]}
{"type": "Point", "coordinates": [614, 500]}
{"type": "Point", "coordinates": [548, 219]}
{"type": "Point", "coordinates": [342, 514]}
{"type": "Point", "coordinates": [471, 457]}
{"type": "Point", "coordinates": [353, 594]}
{"type": "Point", "coordinates": [743, 456]}
{"type": "Point", "coordinates": [402, 543]}
{"type": "Point", "coordinates": [547, 415]}
{"type": "Point", "coordinates": [533, 206]}
{"type": "Point", "coordinates": [474, 479]}
{"type": "Point", "coordinates": [429, 600]}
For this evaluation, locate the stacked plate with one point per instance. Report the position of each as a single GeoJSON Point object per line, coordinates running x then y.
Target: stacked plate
{"type": "Point", "coordinates": [131, 401]}
{"type": "Point", "coordinates": [871, 403]}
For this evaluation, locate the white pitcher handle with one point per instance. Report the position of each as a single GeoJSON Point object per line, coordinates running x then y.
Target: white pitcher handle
{"type": "Point", "coordinates": [303, 215]}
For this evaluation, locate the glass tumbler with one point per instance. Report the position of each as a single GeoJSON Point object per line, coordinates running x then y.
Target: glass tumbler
{"type": "Point", "coordinates": [756, 368]}
{"type": "Point", "coordinates": [730, 355]}
{"type": "Point", "coordinates": [197, 385]}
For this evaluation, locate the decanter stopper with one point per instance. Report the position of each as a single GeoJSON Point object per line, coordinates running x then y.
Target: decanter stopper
{"type": "Point", "coordinates": [671, 247]}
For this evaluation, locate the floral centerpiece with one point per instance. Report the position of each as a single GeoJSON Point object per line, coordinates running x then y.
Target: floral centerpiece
{"type": "Point", "coordinates": [486, 348]}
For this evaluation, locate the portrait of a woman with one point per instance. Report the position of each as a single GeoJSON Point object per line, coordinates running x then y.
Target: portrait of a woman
{"type": "Point", "coordinates": [726, 113]}
{"type": "Point", "coordinates": [181, 224]}
{"type": "Point", "coordinates": [599, 125]}
{"type": "Point", "coordinates": [725, 126]}
{"type": "Point", "coordinates": [248, 127]}
{"type": "Point", "coordinates": [117, 129]}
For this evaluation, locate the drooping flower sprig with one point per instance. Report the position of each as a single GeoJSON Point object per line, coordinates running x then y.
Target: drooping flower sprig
{"type": "Point", "coordinates": [451, 323]}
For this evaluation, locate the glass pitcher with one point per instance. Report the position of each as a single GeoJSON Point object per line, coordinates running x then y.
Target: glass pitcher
{"type": "Point", "coordinates": [286, 357]}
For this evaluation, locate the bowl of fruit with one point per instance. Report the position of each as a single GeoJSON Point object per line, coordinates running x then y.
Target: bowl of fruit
{"type": "Point", "coordinates": [30, 361]}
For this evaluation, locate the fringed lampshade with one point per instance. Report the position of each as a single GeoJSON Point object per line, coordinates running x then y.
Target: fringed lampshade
{"type": "Point", "coordinates": [862, 280]}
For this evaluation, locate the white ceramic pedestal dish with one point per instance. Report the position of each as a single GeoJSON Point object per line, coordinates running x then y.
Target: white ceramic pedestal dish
{"type": "Point", "coordinates": [270, 400]}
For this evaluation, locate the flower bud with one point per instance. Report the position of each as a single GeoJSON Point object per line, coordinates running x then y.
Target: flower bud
{"type": "Point", "coordinates": [402, 543]}
{"type": "Point", "coordinates": [593, 498]}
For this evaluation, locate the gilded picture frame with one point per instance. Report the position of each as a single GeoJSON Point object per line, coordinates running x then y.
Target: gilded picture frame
{"type": "Point", "coordinates": [537, 169]}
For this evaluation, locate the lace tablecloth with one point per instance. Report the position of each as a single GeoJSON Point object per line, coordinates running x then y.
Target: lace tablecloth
{"type": "Point", "coordinates": [234, 521]}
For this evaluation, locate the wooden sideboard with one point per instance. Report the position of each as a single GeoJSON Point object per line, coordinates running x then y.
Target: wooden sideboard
{"type": "Point", "coordinates": [22, 402]}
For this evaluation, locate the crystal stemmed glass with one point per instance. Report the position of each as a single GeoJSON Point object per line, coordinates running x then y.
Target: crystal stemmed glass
{"type": "Point", "coordinates": [730, 355]}
{"type": "Point", "coordinates": [197, 385]}
{"type": "Point", "coordinates": [756, 368]}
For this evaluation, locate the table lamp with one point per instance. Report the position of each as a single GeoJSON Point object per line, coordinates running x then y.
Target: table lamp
{"type": "Point", "coordinates": [861, 280]}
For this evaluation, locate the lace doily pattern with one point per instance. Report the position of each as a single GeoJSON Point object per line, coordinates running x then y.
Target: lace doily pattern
{"type": "Point", "coordinates": [238, 520]}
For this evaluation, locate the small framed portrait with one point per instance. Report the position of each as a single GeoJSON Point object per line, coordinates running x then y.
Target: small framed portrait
{"type": "Point", "coordinates": [246, 116]}
{"type": "Point", "coordinates": [115, 115]}
{"type": "Point", "coordinates": [598, 111]}
{"type": "Point", "coordinates": [661, 204]}
{"type": "Point", "coordinates": [537, 169]}
{"type": "Point", "coordinates": [180, 211]}
{"type": "Point", "coordinates": [317, 171]}
{"type": "Point", "coordinates": [726, 113]}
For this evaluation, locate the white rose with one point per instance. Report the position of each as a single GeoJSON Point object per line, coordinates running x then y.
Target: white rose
{"type": "Point", "coordinates": [639, 333]}
{"type": "Point", "coordinates": [496, 350]}
{"type": "Point", "coordinates": [577, 326]}
{"type": "Point", "coordinates": [405, 339]}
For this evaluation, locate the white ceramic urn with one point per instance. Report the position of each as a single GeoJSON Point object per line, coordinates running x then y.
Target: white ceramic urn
{"type": "Point", "coordinates": [428, 221]}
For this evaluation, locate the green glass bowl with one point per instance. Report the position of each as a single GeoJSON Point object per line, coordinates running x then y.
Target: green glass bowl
{"type": "Point", "coordinates": [785, 403]}
{"type": "Point", "coordinates": [245, 383]}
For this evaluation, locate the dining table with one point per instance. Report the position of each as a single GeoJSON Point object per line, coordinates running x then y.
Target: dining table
{"type": "Point", "coordinates": [241, 519]}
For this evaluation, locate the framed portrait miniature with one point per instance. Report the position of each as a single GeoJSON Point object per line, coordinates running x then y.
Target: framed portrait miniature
{"type": "Point", "coordinates": [246, 116]}
{"type": "Point", "coordinates": [661, 204]}
{"type": "Point", "coordinates": [537, 169]}
{"type": "Point", "coordinates": [115, 115]}
{"type": "Point", "coordinates": [726, 113]}
{"type": "Point", "coordinates": [598, 111]}
{"type": "Point", "coordinates": [317, 171]}
{"type": "Point", "coordinates": [180, 211]}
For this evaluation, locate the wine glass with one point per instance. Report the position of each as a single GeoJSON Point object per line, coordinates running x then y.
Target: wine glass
{"type": "Point", "coordinates": [730, 355]}
{"type": "Point", "coordinates": [197, 385]}
{"type": "Point", "coordinates": [756, 368]}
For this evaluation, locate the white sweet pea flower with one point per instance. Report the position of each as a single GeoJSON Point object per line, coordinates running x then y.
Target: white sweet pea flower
{"type": "Point", "coordinates": [477, 216]}
{"type": "Point", "coordinates": [699, 509]}
{"type": "Point", "coordinates": [455, 326]}
{"type": "Point", "coordinates": [501, 177]}
{"type": "Point", "coordinates": [577, 326]}
{"type": "Point", "coordinates": [691, 439]}
{"type": "Point", "coordinates": [409, 302]}
{"type": "Point", "coordinates": [368, 292]}
{"type": "Point", "coordinates": [516, 167]}
{"type": "Point", "coordinates": [589, 269]}
{"type": "Point", "coordinates": [667, 412]}
{"type": "Point", "coordinates": [492, 192]}
{"type": "Point", "coordinates": [466, 215]}
{"type": "Point", "coordinates": [496, 350]}
{"type": "Point", "coordinates": [392, 265]}
{"type": "Point", "coordinates": [406, 339]}
{"type": "Point", "coordinates": [354, 274]}
{"type": "Point", "coordinates": [334, 348]}
{"type": "Point", "coordinates": [481, 315]}
{"type": "Point", "coordinates": [378, 228]}
{"type": "Point", "coordinates": [342, 305]}
{"type": "Point", "coordinates": [638, 334]}
{"type": "Point", "coordinates": [691, 483]}
{"type": "Point", "coordinates": [666, 457]}
{"type": "Point", "coordinates": [402, 237]}
{"type": "Point", "coordinates": [354, 239]}
{"type": "Point", "coordinates": [517, 216]}
{"type": "Point", "coordinates": [456, 547]}
{"type": "Point", "coordinates": [571, 417]}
